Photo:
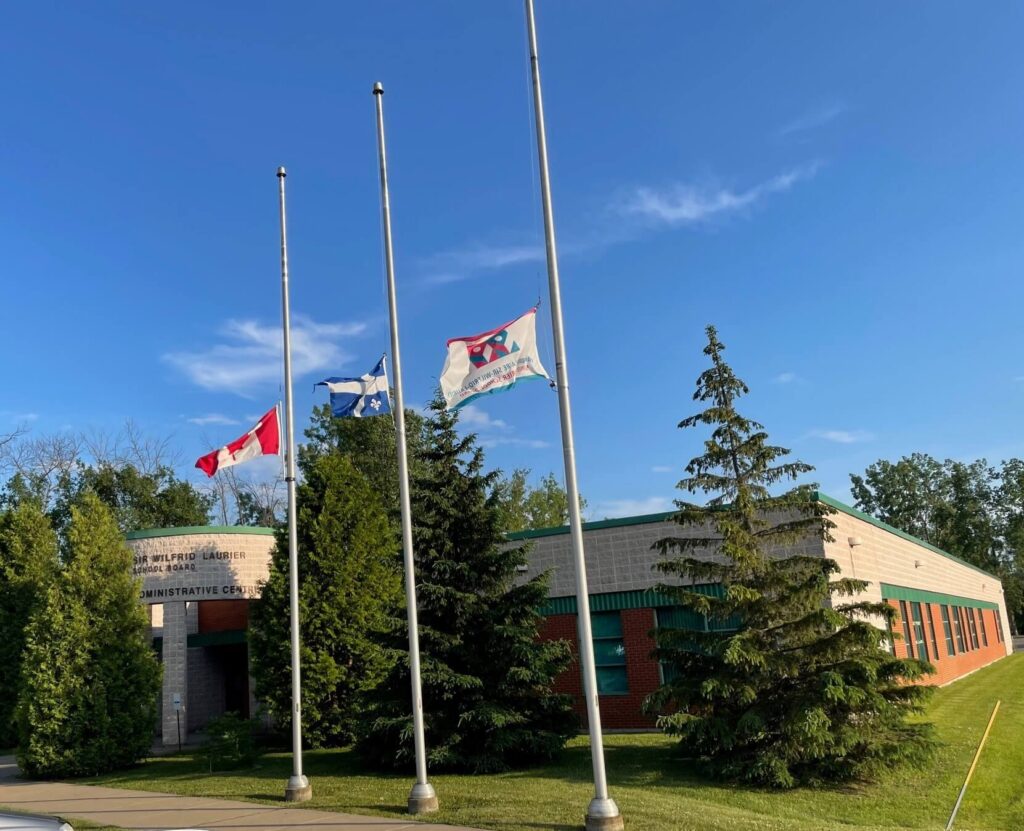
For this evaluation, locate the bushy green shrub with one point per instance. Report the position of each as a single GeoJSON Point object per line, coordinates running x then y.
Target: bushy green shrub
{"type": "Point", "coordinates": [230, 742]}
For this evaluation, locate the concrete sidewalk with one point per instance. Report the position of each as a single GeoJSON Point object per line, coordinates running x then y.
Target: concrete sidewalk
{"type": "Point", "coordinates": [148, 811]}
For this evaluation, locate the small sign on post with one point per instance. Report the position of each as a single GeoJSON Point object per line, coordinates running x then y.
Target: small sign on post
{"type": "Point", "coordinates": [176, 699]}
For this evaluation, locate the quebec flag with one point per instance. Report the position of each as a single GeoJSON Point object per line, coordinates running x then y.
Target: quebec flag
{"type": "Point", "coordinates": [359, 397]}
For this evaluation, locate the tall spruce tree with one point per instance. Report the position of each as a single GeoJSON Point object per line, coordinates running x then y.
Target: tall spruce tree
{"type": "Point", "coordinates": [487, 679]}
{"type": "Point", "coordinates": [787, 683]}
{"type": "Point", "coordinates": [28, 563]}
{"type": "Point", "coordinates": [350, 592]}
{"type": "Point", "coordinates": [89, 675]}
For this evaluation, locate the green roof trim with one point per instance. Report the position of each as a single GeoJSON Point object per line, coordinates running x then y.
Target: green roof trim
{"type": "Point", "coordinates": [846, 509]}
{"type": "Point", "coordinates": [206, 639]}
{"type": "Point", "coordinates": [190, 530]}
{"type": "Point", "coordinates": [617, 601]}
{"type": "Point", "coordinates": [890, 592]}
{"type": "Point", "coordinates": [645, 519]}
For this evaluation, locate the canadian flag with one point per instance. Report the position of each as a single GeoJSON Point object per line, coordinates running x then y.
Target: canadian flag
{"type": "Point", "coordinates": [262, 440]}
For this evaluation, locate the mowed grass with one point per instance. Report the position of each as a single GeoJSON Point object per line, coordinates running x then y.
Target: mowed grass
{"type": "Point", "coordinates": [656, 791]}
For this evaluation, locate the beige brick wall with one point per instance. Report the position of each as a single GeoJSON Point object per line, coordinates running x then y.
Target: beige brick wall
{"type": "Point", "coordinates": [885, 557]}
{"type": "Point", "coordinates": [201, 566]}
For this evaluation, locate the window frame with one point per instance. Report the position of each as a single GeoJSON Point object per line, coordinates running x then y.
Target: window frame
{"type": "Point", "coordinates": [984, 631]}
{"type": "Point", "coordinates": [931, 631]}
{"type": "Point", "coordinates": [907, 639]}
{"type": "Point", "coordinates": [947, 630]}
{"type": "Point", "coordinates": [958, 625]}
{"type": "Point", "coordinates": [973, 621]}
{"type": "Point", "coordinates": [622, 667]}
{"type": "Point", "coordinates": [920, 643]}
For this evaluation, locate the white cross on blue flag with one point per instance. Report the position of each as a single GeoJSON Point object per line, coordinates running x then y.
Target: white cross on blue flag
{"type": "Point", "coordinates": [359, 397]}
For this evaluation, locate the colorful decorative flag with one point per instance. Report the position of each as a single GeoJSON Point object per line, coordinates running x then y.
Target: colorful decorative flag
{"type": "Point", "coordinates": [492, 361]}
{"type": "Point", "coordinates": [359, 397]}
{"type": "Point", "coordinates": [262, 440]}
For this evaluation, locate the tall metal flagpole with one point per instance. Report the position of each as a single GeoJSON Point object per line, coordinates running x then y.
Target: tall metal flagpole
{"type": "Point", "coordinates": [422, 798]}
{"type": "Point", "coordinates": [602, 812]}
{"type": "Point", "coordinates": [298, 788]}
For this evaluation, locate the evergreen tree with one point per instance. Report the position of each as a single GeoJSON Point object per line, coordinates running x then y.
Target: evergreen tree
{"type": "Point", "coordinates": [487, 697]}
{"type": "Point", "coordinates": [350, 591]}
{"type": "Point", "coordinates": [28, 562]}
{"type": "Point", "coordinates": [787, 683]}
{"type": "Point", "coordinates": [89, 675]}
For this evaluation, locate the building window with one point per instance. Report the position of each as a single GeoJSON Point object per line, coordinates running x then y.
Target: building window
{"type": "Point", "coordinates": [906, 629]}
{"type": "Point", "coordinates": [931, 631]}
{"type": "Point", "coordinates": [981, 622]}
{"type": "Point", "coordinates": [947, 630]}
{"type": "Point", "coordinates": [972, 625]}
{"type": "Point", "coordinates": [999, 626]}
{"type": "Point", "coordinates": [609, 653]}
{"type": "Point", "coordinates": [959, 630]}
{"type": "Point", "coordinates": [921, 647]}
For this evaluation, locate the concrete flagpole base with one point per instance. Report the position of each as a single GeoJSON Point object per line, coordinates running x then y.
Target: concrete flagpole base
{"type": "Point", "coordinates": [603, 815]}
{"type": "Point", "coordinates": [298, 790]}
{"type": "Point", "coordinates": [422, 799]}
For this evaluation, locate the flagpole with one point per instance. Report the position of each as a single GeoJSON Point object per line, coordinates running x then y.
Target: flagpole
{"type": "Point", "coordinates": [298, 788]}
{"type": "Point", "coordinates": [602, 812]}
{"type": "Point", "coordinates": [422, 798]}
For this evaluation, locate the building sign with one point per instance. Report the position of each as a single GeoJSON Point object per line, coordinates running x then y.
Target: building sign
{"type": "Point", "coordinates": [200, 566]}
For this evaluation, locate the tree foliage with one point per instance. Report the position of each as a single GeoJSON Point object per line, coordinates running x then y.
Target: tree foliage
{"type": "Point", "coordinates": [350, 593]}
{"type": "Point", "coordinates": [89, 675]}
{"type": "Point", "coordinates": [970, 509]}
{"type": "Point", "coordinates": [487, 679]}
{"type": "Point", "coordinates": [28, 563]}
{"type": "Point", "coordinates": [788, 682]}
{"type": "Point", "coordinates": [525, 506]}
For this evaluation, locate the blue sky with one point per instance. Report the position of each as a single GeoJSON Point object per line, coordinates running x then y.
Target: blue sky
{"type": "Point", "coordinates": [837, 188]}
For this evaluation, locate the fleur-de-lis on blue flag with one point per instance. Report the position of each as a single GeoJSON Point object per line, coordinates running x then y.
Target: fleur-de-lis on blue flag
{"type": "Point", "coordinates": [359, 397]}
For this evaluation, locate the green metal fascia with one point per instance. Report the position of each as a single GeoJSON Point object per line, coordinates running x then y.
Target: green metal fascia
{"type": "Point", "coordinates": [645, 519]}
{"type": "Point", "coordinates": [217, 638]}
{"type": "Point", "coordinates": [206, 639]}
{"type": "Point", "coordinates": [890, 592]}
{"type": "Point", "coordinates": [199, 529]}
{"type": "Point", "coordinates": [617, 601]}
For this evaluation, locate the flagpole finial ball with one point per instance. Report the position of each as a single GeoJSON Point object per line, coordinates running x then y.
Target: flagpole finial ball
{"type": "Point", "coordinates": [378, 88]}
{"type": "Point", "coordinates": [281, 173]}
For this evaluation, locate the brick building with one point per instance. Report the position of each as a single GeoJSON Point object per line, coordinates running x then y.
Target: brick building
{"type": "Point", "coordinates": [951, 613]}
{"type": "Point", "coordinates": [197, 584]}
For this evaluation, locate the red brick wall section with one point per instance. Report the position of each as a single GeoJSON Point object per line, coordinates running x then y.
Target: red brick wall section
{"type": "Point", "coordinates": [618, 712]}
{"type": "Point", "coordinates": [223, 615]}
{"type": "Point", "coordinates": [950, 667]}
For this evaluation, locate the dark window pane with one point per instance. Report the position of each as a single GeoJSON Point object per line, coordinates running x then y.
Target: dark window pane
{"type": "Point", "coordinates": [958, 625]}
{"type": "Point", "coordinates": [907, 641]}
{"type": "Point", "coordinates": [931, 630]}
{"type": "Point", "coordinates": [920, 646]}
{"type": "Point", "coordinates": [612, 681]}
{"type": "Point", "coordinates": [609, 653]}
{"type": "Point", "coordinates": [606, 625]}
{"type": "Point", "coordinates": [947, 630]}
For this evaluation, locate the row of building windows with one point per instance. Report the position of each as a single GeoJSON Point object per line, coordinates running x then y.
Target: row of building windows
{"type": "Point", "coordinates": [961, 628]}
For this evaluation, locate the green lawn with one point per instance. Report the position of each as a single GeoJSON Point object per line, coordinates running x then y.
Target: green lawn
{"type": "Point", "coordinates": [657, 792]}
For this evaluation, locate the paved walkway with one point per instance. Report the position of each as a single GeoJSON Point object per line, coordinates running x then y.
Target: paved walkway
{"type": "Point", "coordinates": [146, 811]}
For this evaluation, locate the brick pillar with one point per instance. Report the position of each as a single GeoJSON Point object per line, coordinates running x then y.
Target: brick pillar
{"type": "Point", "coordinates": [175, 660]}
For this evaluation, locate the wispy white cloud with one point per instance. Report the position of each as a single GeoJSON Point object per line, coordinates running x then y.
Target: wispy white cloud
{"type": "Point", "coordinates": [688, 204]}
{"type": "Point", "coordinates": [250, 354]}
{"type": "Point", "coordinates": [473, 416]}
{"type": "Point", "coordinates": [611, 508]}
{"type": "Point", "coordinates": [501, 441]}
{"type": "Point", "coordinates": [662, 469]}
{"type": "Point", "coordinates": [843, 436]}
{"type": "Point", "coordinates": [461, 264]}
{"type": "Point", "coordinates": [19, 417]}
{"type": "Point", "coordinates": [811, 119]}
{"type": "Point", "coordinates": [213, 418]}
{"type": "Point", "coordinates": [786, 378]}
